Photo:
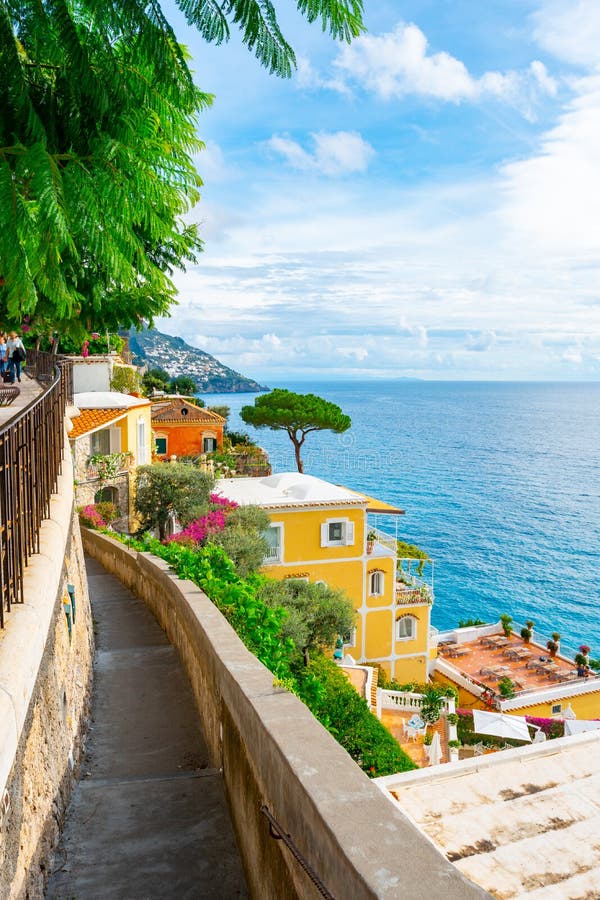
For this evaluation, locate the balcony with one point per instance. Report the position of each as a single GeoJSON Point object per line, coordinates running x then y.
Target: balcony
{"type": "Point", "coordinates": [273, 555]}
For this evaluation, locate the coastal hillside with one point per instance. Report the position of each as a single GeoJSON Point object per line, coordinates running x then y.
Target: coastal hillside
{"type": "Point", "coordinates": [157, 350]}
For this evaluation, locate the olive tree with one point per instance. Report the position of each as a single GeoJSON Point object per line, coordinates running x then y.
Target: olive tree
{"type": "Point", "coordinates": [316, 613]}
{"type": "Point", "coordinates": [168, 490]}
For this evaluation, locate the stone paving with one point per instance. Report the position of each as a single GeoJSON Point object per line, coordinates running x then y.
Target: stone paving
{"type": "Point", "coordinates": [148, 818]}
{"type": "Point", "coordinates": [29, 391]}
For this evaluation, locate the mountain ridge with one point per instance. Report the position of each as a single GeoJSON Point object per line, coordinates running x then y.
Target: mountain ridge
{"type": "Point", "coordinates": [158, 350]}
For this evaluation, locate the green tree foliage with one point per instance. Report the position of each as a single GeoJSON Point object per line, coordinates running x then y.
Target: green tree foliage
{"type": "Point", "coordinates": [297, 414]}
{"type": "Point", "coordinates": [222, 411]}
{"type": "Point", "coordinates": [126, 380]}
{"type": "Point", "coordinates": [155, 380]}
{"type": "Point", "coordinates": [167, 489]}
{"type": "Point", "coordinates": [243, 538]}
{"type": "Point", "coordinates": [182, 384]}
{"type": "Point", "coordinates": [97, 137]}
{"type": "Point", "coordinates": [317, 613]}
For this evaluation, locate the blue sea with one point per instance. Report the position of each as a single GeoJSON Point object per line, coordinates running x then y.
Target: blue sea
{"type": "Point", "coordinates": [500, 483]}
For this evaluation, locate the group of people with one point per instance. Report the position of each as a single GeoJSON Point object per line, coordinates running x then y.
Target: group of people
{"type": "Point", "coordinates": [12, 354]}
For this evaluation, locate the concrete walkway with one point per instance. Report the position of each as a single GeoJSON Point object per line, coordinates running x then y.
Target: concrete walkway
{"type": "Point", "coordinates": [148, 818]}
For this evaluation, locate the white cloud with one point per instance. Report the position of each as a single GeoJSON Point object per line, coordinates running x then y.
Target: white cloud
{"type": "Point", "coordinates": [338, 153]}
{"type": "Point", "coordinates": [400, 63]}
{"type": "Point", "coordinates": [570, 30]}
{"type": "Point", "coordinates": [552, 199]}
{"type": "Point", "coordinates": [307, 77]}
{"type": "Point", "coordinates": [481, 343]}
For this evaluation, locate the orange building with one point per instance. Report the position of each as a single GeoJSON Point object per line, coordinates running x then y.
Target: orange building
{"type": "Point", "coordinates": [183, 429]}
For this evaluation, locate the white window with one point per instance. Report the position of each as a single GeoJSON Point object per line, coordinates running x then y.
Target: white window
{"type": "Point", "coordinates": [556, 709]}
{"type": "Point", "coordinates": [376, 584]}
{"type": "Point", "coordinates": [209, 444]}
{"type": "Point", "coordinates": [141, 442]}
{"type": "Point", "coordinates": [274, 538]}
{"type": "Point", "coordinates": [337, 533]}
{"type": "Point", "coordinates": [100, 442]}
{"type": "Point", "coordinates": [351, 642]}
{"type": "Point", "coordinates": [406, 628]}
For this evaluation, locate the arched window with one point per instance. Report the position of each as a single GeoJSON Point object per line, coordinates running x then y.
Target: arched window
{"type": "Point", "coordinates": [406, 628]}
{"type": "Point", "coordinates": [376, 583]}
{"type": "Point", "coordinates": [107, 494]}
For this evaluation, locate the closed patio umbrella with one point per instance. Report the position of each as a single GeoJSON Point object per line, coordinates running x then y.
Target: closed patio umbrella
{"type": "Point", "coordinates": [434, 751]}
{"type": "Point", "coordinates": [500, 725]}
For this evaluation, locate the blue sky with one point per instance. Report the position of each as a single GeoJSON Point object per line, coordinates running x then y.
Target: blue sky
{"type": "Point", "coordinates": [424, 202]}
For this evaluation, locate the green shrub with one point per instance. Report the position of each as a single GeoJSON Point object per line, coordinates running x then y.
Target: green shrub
{"type": "Point", "coordinates": [468, 623]}
{"type": "Point", "coordinates": [322, 686]}
{"type": "Point", "coordinates": [107, 510]}
{"type": "Point", "coordinates": [346, 715]}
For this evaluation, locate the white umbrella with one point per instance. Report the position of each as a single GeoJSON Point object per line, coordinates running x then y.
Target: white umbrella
{"type": "Point", "coordinates": [573, 726]}
{"type": "Point", "coordinates": [434, 751]}
{"type": "Point", "coordinates": [501, 725]}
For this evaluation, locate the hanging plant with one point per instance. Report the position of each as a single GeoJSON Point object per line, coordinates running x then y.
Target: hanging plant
{"type": "Point", "coordinates": [106, 466]}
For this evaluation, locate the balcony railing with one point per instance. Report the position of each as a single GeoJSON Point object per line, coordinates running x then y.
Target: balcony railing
{"type": "Point", "coordinates": [273, 554]}
{"type": "Point", "coordinates": [41, 366]}
{"type": "Point", "coordinates": [31, 447]}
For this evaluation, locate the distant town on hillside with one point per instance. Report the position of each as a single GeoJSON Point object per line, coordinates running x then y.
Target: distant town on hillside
{"type": "Point", "coordinates": [157, 350]}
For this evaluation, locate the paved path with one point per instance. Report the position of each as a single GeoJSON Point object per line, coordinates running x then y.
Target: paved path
{"type": "Point", "coordinates": [148, 819]}
{"type": "Point", "coordinates": [29, 390]}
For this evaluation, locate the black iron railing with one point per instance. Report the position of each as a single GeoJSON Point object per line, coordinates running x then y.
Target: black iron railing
{"type": "Point", "coordinates": [41, 366]}
{"type": "Point", "coordinates": [31, 448]}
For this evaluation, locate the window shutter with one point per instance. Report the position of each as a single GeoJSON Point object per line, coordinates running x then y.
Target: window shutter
{"type": "Point", "coordinates": [115, 440]}
{"type": "Point", "coordinates": [349, 533]}
{"type": "Point", "coordinates": [324, 535]}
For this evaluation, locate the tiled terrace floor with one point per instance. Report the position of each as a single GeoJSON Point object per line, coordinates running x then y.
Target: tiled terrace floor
{"type": "Point", "coordinates": [394, 720]}
{"type": "Point", "coordinates": [478, 657]}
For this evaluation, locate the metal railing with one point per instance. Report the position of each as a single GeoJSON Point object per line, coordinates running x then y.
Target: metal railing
{"type": "Point", "coordinates": [31, 447]}
{"type": "Point", "coordinates": [41, 365]}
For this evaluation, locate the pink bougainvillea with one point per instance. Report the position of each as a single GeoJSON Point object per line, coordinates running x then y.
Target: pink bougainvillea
{"type": "Point", "coordinates": [217, 500]}
{"type": "Point", "coordinates": [198, 530]}
{"type": "Point", "coordinates": [89, 515]}
{"type": "Point", "coordinates": [212, 523]}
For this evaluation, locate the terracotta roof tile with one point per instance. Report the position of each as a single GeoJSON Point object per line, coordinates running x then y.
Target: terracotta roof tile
{"type": "Point", "coordinates": [181, 411]}
{"type": "Point", "coordinates": [90, 419]}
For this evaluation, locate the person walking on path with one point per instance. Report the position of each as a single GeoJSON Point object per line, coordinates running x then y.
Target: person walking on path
{"type": "Point", "coordinates": [3, 356]}
{"type": "Point", "coordinates": [16, 355]}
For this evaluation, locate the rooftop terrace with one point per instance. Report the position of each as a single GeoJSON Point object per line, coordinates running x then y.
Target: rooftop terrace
{"type": "Point", "coordinates": [488, 659]}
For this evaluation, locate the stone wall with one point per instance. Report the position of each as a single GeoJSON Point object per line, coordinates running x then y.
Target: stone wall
{"type": "Point", "coordinates": [275, 754]}
{"type": "Point", "coordinates": [44, 693]}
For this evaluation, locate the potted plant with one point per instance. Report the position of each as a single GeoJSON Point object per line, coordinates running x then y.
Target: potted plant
{"type": "Point", "coordinates": [506, 686]}
{"type": "Point", "coordinates": [453, 747]}
{"type": "Point", "coordinates": [585, 651]}
{"type": "Point", "coordinates": [581, 663]}
{"type": "Point", "coordinates": [552, 646]}
{"type": "Point", "coordinates": [526, 635]}
{"type": "Point", "coordinates": [371, 538]}
{"type": "Point", "coordinates": [507, 628]}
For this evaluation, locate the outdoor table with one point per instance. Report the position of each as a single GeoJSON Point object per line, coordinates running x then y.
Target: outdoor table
{"type": "Point", "coordinates": [562, 675]}
{"type": "Point", "coordinates": [495, 671]}
{"type": "Point", "coordinates": [497, 642]}
{"type": "Point", "coordinates": [537, 664]}
{"type": "Point", "coordinates": [457, 651]}
{"type": "Point", "coordinates": [516, 653]}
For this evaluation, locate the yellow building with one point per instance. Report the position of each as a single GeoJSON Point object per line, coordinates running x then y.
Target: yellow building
{"type": "Point", "coordinates": [111, 432]}
{"type": "Point", "coordinates": [319, 533]}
